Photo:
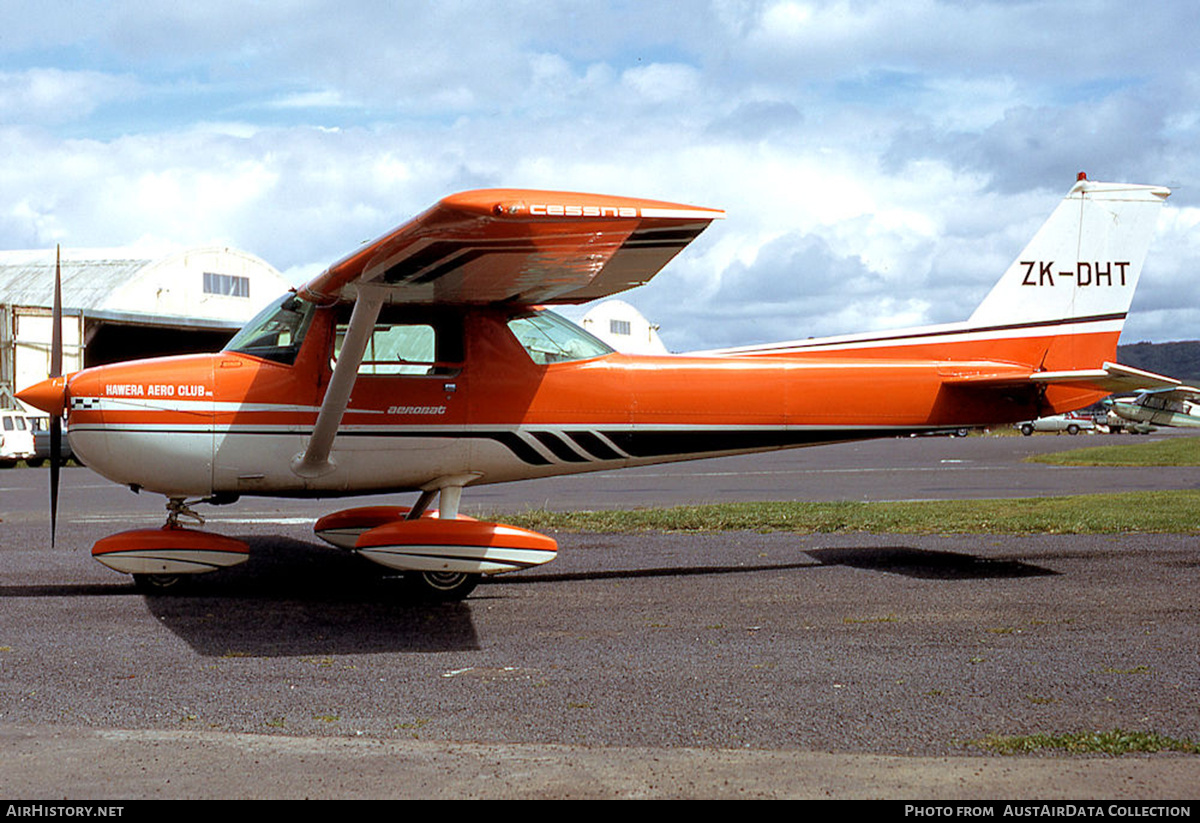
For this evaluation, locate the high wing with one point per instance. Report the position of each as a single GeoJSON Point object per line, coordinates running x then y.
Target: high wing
{"type": "Point", "coordinates": [517, 245]}
{"type": "Point", "coordinates": [1189, 394]}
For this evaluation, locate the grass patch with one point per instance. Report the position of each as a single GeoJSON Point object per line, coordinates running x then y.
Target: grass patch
{"type": "Point", "coordinates": [1174, 451]}
{"type": "Point", "coordinates": [1116, 742]}
{"type": "Point", "coordinates": [1134, 670]}
{"type": "Point", "coordinates": [891, 618]}
{"type": "Point", "coordinates": [1170, 512]}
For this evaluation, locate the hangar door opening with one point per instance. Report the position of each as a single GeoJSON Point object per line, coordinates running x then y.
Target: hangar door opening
{"type": "Point", "coordinates": [110, 342]}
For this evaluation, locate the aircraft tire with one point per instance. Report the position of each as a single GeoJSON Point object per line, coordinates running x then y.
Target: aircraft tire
{"type": "Point", "coordinates": [159, 583]}
{"type": "Point", "coordinates": [440, 587]}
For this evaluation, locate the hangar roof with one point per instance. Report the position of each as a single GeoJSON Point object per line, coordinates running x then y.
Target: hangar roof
{"type": "Point", "coordinates": [194, 283]}
{"type": "Point", "coordinates": [89, 276]}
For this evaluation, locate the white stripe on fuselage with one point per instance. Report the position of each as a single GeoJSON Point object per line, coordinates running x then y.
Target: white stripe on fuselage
{"type": "Point", "coordinates": [920, 336]}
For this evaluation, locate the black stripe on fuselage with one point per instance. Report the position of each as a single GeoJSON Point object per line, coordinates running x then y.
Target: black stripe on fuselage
{"type": "Point", "coordinates": [593, 445]}
{"type": "Point", "coordinates": [639, 443]}
{"type": "Point", "coordinates": [673, 443]}
{"type": "Point", "coordinates": [559, 448]}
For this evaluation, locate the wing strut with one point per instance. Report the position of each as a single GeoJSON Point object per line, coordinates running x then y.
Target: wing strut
{"type": "Point", "coordinates": [315, 460]}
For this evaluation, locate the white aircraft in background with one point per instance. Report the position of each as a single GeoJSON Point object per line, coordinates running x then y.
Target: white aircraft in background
{"type": "Point", "coordinates": [1174, 406]}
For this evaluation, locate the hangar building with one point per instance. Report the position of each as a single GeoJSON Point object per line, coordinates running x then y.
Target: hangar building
{"type": "Point", "coordinates": [122, 304]}
{"type": "Point", "coordinates": [623, 327]}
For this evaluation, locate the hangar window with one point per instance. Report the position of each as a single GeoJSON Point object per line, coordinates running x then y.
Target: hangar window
{"type": "Point", "coordinates": [226, 284]}
{"type": "Point", "coordinates": [619, 327]}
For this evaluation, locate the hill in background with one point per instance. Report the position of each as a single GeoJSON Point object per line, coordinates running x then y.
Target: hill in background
{"type": "Point", "coordinates": [1180, 360]}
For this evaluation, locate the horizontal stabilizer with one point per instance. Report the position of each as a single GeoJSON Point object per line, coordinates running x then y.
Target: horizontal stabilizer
{"type": "Point", "coordinates": [1113, 377]}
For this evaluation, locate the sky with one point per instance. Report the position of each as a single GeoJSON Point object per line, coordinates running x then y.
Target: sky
{"type": "Point", "coordinates": [880, 163]}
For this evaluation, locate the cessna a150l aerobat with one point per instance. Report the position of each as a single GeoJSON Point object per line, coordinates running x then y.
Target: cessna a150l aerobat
{"type": "Point", "coordinates": [425, 361]}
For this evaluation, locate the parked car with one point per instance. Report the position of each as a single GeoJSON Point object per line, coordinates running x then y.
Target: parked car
{"type": "Point", "coordinates": [959, 432]}
{"type": "Point", "coordinates": [1072, 423]}
{"type": "Point", "coordinates": [16, 437]}
{"type": "Point", "coordinates": [41, 443]}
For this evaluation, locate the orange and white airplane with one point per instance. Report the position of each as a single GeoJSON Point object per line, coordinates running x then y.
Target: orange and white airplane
{"type": "Point", "coordinates": [426, 362]}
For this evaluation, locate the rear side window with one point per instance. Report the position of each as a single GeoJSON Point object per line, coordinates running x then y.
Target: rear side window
{"type": "Point", "coordinates": [408, 340]}
{"type": "Point", "coordinates": [548, 338]}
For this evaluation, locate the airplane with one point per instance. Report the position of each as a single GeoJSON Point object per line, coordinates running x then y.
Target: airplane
{"type": "Point", "coordinates": [426, 361]}
{"type": "Point", "coordinates": [1172, 406]}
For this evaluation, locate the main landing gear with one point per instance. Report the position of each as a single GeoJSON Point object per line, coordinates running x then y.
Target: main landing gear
{"type": "Point", "coordinates": [440, 587]}
{"type": "Point", "coordinates": [158, 583]}
{"type": "Point", "coordinates": [442, 559]}
{"type": "Point", "coordinates": [443, 556]}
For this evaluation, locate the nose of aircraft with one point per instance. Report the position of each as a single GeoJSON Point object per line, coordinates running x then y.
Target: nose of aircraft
{"type": "Point", "coordinates": [50, 395]}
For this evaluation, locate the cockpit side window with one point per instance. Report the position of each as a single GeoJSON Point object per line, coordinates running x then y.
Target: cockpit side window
{"type": "Point", "coordinates": [277, 331]}
{"type": "Point", "coordinates": [549, 338]}
{"type": "Point", "coordinates": [408, 340]}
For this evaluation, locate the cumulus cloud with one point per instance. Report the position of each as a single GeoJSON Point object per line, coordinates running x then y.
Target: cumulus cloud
{"type": "Point", "coordinates": [880, 163]}
{"type": "Point", "coordinates": [51, 96]}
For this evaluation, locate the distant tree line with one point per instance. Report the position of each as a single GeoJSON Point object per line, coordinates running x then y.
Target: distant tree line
{"type": "Point", "coordinates": [1180, 360]}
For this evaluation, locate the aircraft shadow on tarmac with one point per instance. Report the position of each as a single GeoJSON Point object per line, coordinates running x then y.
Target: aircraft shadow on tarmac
{"type": "Point", "coordinates": [927, 564]}
{"type": "Point", "coordinates": [295, 598]}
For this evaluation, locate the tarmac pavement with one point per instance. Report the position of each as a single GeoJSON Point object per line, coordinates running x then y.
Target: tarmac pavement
{"type": "Point", "coordinates": [731, 665]}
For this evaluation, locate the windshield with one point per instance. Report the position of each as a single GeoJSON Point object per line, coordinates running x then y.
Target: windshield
{"type": "Point", "coordinates": [549, 338]}
{"type": "Point", "coordinates": [277, 331]}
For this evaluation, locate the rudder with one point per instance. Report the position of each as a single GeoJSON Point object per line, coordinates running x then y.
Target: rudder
{"type": "Point", "coordinates": [1083, 264]}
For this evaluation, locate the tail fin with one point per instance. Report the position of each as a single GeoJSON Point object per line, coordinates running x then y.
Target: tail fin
{"type": "Point", "coordinates": [1069, 291]}
{"type": "Point", "coordinates": [1083, 264]}
{"type": "Point", "coordinates": [1059, 307]}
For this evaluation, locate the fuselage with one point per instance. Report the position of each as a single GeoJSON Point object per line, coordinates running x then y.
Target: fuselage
{"type": "Point", "coordinates": [481, 405]}
{"type": "Point", "coordinates": [1157, 411]}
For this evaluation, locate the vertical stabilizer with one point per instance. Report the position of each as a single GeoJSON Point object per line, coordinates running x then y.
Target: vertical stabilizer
{"type": "Point", "coordinates": [1083, 264]}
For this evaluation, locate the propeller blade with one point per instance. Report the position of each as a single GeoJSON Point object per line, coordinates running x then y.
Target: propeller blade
{"type": "Point", "coordinates": [56, 344]}
{"type": "Point", "coordinates": [56, 358]}
{"type": "Point", "coordinates": [55, 456]}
